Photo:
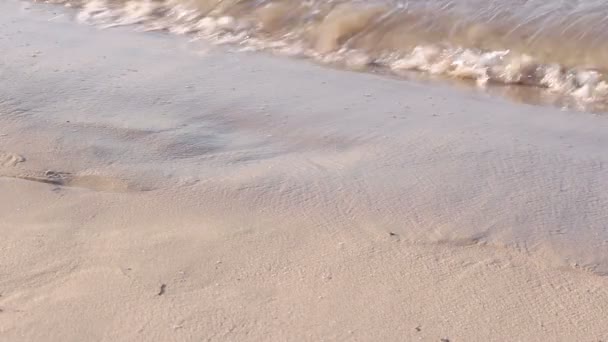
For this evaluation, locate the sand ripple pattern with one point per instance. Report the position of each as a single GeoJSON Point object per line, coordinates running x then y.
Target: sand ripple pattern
{"type": "Point", "coordinates": [558, 45]}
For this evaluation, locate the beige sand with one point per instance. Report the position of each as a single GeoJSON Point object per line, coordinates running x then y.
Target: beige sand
{"type": "Point", "coordinates": [155, 189]}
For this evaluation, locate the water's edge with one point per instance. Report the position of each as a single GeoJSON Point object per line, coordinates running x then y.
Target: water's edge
{"type": "Point", "coordinates": [517, 44]}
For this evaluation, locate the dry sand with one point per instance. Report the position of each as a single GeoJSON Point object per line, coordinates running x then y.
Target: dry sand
{"type": "Point", "coordinates": [157, 189]}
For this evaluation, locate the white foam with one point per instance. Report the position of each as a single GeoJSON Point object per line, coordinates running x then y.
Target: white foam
{"type": "Point", "coordinates": [500, 66]}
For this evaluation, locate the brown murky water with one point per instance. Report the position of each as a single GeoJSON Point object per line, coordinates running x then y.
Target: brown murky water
{"type": "Point", "coordinates": [557, 45]}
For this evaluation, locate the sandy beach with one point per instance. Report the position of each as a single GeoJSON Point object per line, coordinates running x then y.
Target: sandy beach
{"type": "Point", "coordinates": [154, 188]}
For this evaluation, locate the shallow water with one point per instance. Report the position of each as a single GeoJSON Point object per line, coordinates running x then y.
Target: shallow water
{"type": "Point", "coordinates": [342, 152]}
{"type": "Point", "coordinates": [560, 45]}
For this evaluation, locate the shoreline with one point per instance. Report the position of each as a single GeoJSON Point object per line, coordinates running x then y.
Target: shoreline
{"type": "Point", "coordinates": [350, 36]}
{"type": "Point", "coordinates": [201, 194]}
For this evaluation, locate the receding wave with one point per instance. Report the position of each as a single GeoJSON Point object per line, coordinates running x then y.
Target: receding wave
{"type": "Point", "coordinates": [561, 46]}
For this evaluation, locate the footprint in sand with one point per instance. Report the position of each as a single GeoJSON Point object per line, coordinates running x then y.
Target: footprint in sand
{"type": "Point", "coordinates": [92, 182]}
{"type": "Point", "coordinates": [10, 159]}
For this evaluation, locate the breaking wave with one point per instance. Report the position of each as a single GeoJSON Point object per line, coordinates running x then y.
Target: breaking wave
{"type": "Point", "coordinates": [560, 46]}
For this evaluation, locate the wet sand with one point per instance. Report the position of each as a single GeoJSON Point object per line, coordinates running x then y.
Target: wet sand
{"type": "Point", "coordinates": [555, 50]}
{"type": "Point", "coordinates": [153, 188]}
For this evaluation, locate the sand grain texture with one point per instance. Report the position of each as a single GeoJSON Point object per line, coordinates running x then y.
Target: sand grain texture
{"type": "Point", "coordinates": [10, 159]}
{"type": "Point", "coordinates": [241, 197]}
